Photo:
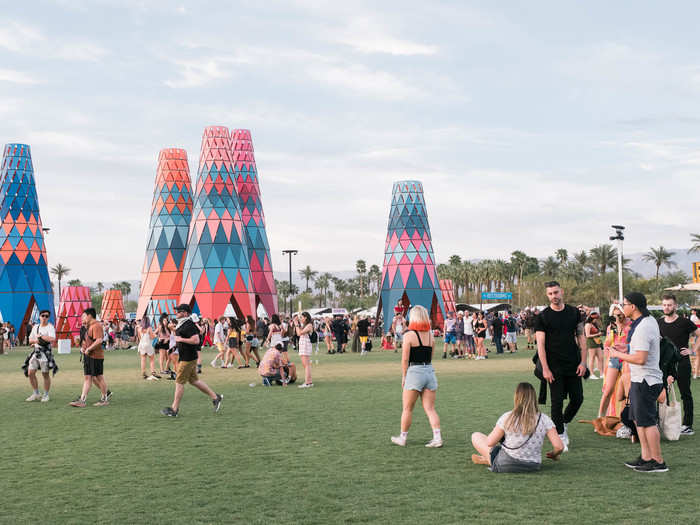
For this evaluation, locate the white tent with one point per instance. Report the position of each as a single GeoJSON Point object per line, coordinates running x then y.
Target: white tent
{"type": "Point", "coordinates": [688, 287]}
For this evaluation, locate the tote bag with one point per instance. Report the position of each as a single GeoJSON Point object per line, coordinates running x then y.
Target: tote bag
{"type": "Point", "coordinates": [670, 416]}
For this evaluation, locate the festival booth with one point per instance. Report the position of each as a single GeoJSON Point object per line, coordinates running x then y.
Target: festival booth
{"type": "Point", "coordinates": [408, 274]}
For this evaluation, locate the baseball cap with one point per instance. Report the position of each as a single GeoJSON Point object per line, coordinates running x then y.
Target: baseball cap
{"type": "Point", "coordinates": [183, 308]}
{"type": "Point", "coordinates": [638, 300]}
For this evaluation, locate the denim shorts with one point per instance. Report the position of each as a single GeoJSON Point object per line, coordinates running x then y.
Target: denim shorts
{"type": "Point", "coordinates": [420, 377]}
{"type": "Point", "coordinates": [450, 338]}
{"type": "Point", "coordinates": [615, 363]}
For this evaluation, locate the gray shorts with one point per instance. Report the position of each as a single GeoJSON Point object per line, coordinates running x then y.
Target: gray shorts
{"type": "Point", "coordinates": [511, 337]}
{"type": "Point", "coordinates": [420, 377]}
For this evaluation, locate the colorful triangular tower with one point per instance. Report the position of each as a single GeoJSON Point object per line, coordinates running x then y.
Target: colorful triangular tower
{"type": "Point", "coordinates": [245, 169]}
{"type": "Point", "coordinates": [409, 272]}
{"type": "Point", "coordinates": [24, 274]}
{"type": "Point", "coordinates": [171, 212]}
{"type": "Point", "coordinates": [74, 301]}
{"type": "Point", "coordinates": [217, 265]}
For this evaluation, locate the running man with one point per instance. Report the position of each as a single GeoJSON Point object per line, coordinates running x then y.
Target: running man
{"type": "Point", "coordinates": [187, 338]}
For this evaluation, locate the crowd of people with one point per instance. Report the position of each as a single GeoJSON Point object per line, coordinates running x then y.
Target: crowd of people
{"type": "Point", "coordinates": [630, 354]}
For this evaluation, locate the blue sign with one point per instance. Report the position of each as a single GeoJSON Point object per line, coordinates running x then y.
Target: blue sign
{"type": "Point", "coordinates": [500, 296]}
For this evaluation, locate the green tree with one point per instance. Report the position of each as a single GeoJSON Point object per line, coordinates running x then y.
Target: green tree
{"type": "Point", "coordinates": [100, 287]}
{"type": "Point", "coordinates": [602, 258]}
{"type": "Point", "coordinates": [75, 282]}
{"type": "Point", "coordinates": [322, 283]}
{"type": "Point", "coordinates": [659, 257]}
{"type": "Point", "coordinates": [361, 268]}
{"type": "Point", "coordinates": [60, 272]}
{"type": "Point", "coordinates": [308, 274]}
{"type": "Point", "coordinates": [550, 267]}
{"type": "Point", "coordinates": [374, 277]}
{"type": "Point", "coordinates": [562, 255]}
{"type": "Point", "coordinates": [695, 239]}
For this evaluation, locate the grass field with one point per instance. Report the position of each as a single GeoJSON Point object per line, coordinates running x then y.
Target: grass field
{"type": "Point", "coordinates": [320, 455]}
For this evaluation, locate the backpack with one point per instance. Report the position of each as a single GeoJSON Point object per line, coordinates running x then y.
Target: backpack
{"type": "Point", "coordinates": [669, 357]}
{"type": "Point", "coordinates": [510, 324]}
{"type": "Point", "coordinates": [313, 336]}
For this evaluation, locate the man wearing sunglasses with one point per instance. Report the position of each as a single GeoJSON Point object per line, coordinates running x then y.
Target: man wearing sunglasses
{"type": "Point", "coordinates": [42, 337]}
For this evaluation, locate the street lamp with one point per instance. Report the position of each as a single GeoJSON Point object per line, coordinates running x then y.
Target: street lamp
{"type": "Point", "coordinates": [619, 237]}
{"type": "Point", "coordinates": [290, 253]}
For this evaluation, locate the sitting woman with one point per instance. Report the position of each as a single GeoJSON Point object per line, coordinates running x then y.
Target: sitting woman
{"type": "Point", "coordinates": [524, 429]}
{"type": "Point", "coordinates": [387, 342]}
{"type": "Point", "coordinates": [271, 367]}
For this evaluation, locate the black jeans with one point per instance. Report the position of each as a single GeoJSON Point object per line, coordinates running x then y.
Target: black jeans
{"type": "Point", "coordinates": [562, 386]}
{"type": "Point", "coordinates": [684, 373]}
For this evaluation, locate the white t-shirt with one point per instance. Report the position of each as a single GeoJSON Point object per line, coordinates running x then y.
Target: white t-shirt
{"type": "Point", "coordinates": [695, 319]}
{"type": "Point", "coordinates": [532, 450]}
{"type": "Point", "coordinates": [219, 333]}
{"type": "Point", "coordinates": [646, 338]}
{"type": "Point", "coordinates": [468, 326]}
{"type": "Point", "coordinates": [38, 330]}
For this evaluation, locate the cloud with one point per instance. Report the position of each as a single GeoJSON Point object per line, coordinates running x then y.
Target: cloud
{"type": "Point", "coordinates": [31, 41]}
{"type": "Point", "coordinates": [361, 80]}
{"type": "Point", "coordinates": [16, 77]}
{"type": "Point", "coordinates": [367, 36]}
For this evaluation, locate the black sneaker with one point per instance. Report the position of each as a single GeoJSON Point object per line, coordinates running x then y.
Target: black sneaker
{"type": "Point", "coordinates": [168, 411]}
{"type": "Point", "coordinates": [199, 369]}
{"type": "Point", "coordinates": [173, 376]}
{"type": "Point", "coordinates": [108, 396]}
{"type": "Point", "coordinates": [217, 402]}
{"type": "Point", "coordinates": [635, 463]}
{"type": "Point", "coordinates": [652, 466]}
{"type": "Point", "coordinates": [687, 431]}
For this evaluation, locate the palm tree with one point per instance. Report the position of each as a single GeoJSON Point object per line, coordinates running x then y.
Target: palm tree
{"type": "Point", "coordinates": [75, 282]}
{"type": "Point", "coordinates": [100, 287]}
{"type": "Point", "coordinates": [308, 274]}
{"type": "Point", "coordinates": [695, 239]}
{"type": "Point", "coordinates": [562, 255]}
{"type": "Point", "coordinates": [322, 283]}
{"type": "Point", "coordinates": [602, 258]}
{"type": "Point", "coordinates": [361, 267]}
{"type": "Point", "coordinates": [550, 267]}
{"type": "Point", "coordinates": [374, 276]}
{"type": "Point", "coordinates": [60, 272]}
{"type": "Point", "coordinates": [519, 260]}
{"type": "Point", "coordinates": [659, 257]}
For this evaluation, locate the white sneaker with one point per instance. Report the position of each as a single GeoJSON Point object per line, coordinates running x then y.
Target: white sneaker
{"type": "Point", "coordinates": [593, 376]}
{"type": "Point", "coordinates": [151, 378]}
{"type": "Point", "coordinates": [213, 363]}
{"type": "Point", "coordinates": [45, 398]}
{"type": "Point", "coordinates": [398, 440]}
{"type": "Point", "coordinates": [306, 385]}
{"type": "Point", "coordinates": [564, 439]}
{"type": "Point", "coordinates": [434, 443]}
{"type": "Point", "coordinates": [34, 397]}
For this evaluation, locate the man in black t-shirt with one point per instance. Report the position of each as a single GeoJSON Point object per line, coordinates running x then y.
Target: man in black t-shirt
{"type": "Point", "coordinates": [561, 348]}
{"type": "Point", "coordinates": [187, 338]}
{"type": "Point", "coordinates": [678, 330]}
{"type": "Point", "coordinates": [497, 327]}
{"type": "Point", "coordinates": [363, 332]}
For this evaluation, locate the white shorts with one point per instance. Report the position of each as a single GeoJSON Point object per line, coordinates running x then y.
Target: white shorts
{"type": "Point", "coordinates": [305, 345]}
{"type": "Point", "coordinates": [146, 348]}
{"type": "Point", "coordinates": [511, 337]}
{"type": "Point", "coordinates": [37, 364]}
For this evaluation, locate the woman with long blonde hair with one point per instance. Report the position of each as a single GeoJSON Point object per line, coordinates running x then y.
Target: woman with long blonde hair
{"type": "Point", "coordinates": [418, 376]}
{"type": "Point", "coordinates": [515, 443]}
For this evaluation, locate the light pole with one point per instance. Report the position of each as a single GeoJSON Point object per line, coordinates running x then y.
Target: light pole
{"type": "Point", "coordinates": [290, 253]}
{"type": "Point", "coordinates": [619, 237]}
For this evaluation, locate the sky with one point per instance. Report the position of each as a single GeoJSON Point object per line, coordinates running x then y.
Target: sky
{"type": "Point", "coordinates": [533, 126]}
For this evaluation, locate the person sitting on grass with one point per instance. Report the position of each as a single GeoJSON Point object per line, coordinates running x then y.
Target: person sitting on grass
{"type": "Point", "coordinates": [522, 430]}
{"type": "Point", "coordinates": [272, 367]}
{"type": "Point", "coordinates": [418, 376]}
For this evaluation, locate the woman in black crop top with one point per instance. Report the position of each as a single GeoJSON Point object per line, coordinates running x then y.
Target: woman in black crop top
{"type": "Point", "coordinates": [480, 334]}
{"type": "Point", "coordinates": [418, 376]}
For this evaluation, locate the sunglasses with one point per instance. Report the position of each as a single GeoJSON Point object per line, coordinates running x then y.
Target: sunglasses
{"type": "Point", "coordinates": [44, 316]}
